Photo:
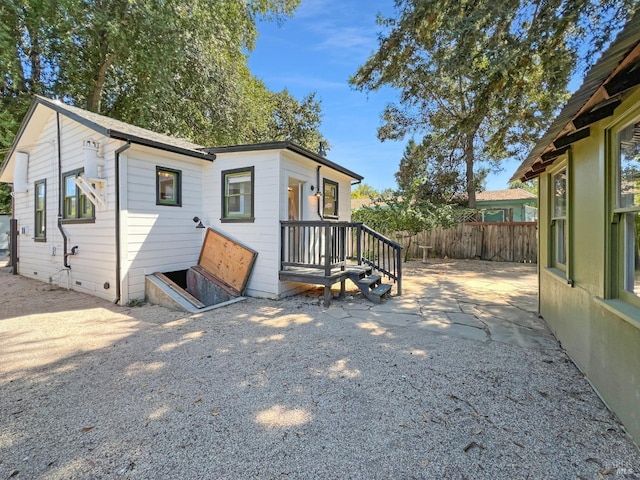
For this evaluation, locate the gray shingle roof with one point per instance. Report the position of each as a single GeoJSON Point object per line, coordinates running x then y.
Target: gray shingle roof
{"type": "Point", "coordinates": [117, 129]}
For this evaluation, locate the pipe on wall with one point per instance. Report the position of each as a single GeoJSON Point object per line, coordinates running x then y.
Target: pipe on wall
{"type": "Point", "coordinates": [124, 147]}
{"type": "Point", "coordinates": [65, 239]}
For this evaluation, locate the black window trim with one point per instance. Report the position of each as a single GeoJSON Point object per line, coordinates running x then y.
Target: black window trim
{"type": "Point", "coordinates": [336, 214]}
{"type": "Point", "coordinates": [223, 190]}
{"type": "Point", "coordinates": [36, 238]}
{"type": "Point", "coordinates": [76, 173]}
{"type": "Point", "coordinates": [178, 187]}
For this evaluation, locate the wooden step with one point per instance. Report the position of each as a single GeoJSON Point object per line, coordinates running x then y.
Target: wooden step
{"type": "Point", "coordinates": [377, 293]}
{"type": "Point", "coordinates": [358, 271]}
{"type": "Point", "coordinates": [370, 281]}
{"type": "Point", "coordinates": [382, 289]}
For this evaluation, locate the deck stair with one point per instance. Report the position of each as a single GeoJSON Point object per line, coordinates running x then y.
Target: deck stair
{"type": "Point", "coordinates": [370, 284]}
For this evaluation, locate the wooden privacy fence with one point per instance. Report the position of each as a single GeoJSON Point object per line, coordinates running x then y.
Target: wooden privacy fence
{"type": "Point", "coordinates": [499, 242]}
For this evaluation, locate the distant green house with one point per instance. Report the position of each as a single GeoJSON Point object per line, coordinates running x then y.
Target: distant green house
{"type": "Point", "coordinates": [511, 205]}
{"type": "Point", "coordinates": [588, 170]}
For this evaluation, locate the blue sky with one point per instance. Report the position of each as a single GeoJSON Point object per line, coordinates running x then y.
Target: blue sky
{"type": "Point", "coordinates": [317, 51]}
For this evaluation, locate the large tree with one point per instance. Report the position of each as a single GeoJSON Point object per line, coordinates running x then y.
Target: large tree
{"type": "Point", "coordinates": [174, 66]}
{"type": "Point", "coordinates": [482, 78]}
{"type": "Point", "coordinates": [437, 171]}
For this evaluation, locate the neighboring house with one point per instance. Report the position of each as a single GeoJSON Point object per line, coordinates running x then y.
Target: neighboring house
{"type": "Point", "coordinates": [101, 204]}
{"type": "Point", "coordinates": [589, 229]}
{"type": "Point", "coordinates": [511, 205]}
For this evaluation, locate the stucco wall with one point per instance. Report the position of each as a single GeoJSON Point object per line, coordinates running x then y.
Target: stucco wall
{"type": "Point", "coordinates": [601, 336]}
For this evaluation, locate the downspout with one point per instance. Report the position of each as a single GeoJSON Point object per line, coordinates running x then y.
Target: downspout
{"type": "Point", "coordinates": [65, 239]}
{"type": "Point", "coordinates": [318, 191]}
{"type": "Point", "coordinates": [117, 175]}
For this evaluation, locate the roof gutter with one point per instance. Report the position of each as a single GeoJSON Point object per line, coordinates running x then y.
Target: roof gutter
{"type": "Point", "coordinates": [119, 151]}
{"type": "Point", "coordinates": [159, 145]}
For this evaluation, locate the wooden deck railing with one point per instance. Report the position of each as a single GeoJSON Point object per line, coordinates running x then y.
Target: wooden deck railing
{"type": "Point", "coordinates": [332, 245]}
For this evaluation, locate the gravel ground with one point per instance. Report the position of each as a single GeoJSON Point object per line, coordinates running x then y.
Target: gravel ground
{"type": "Point", "coordinates": [291, 390]}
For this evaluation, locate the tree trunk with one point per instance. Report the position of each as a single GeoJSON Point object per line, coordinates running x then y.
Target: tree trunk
{"type": "Point", "coordinates": [93, 101]}
{"type": "Point", "coordinates": [469, 158]}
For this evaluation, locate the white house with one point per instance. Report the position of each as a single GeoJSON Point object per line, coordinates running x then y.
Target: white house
{"type": "Point", "coordinates": [101, 204]}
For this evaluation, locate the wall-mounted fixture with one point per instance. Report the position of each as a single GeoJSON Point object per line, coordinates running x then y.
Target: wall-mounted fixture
{"type": "Point", "coordinates": [198, 221]}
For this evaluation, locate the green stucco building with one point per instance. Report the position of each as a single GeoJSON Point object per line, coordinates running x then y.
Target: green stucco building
{"type": "Point", "coordinates": [588, 166]}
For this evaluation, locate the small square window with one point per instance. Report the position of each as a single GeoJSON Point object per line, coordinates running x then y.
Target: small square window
{"type": "Point", "coordinates": [330, 198]}
{"type": "Point", "coordinates": [168, 187]}
{"type": "Point", "coordinates": [237, 195]}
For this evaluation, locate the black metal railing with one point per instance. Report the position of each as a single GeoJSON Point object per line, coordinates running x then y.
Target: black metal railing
{"type": "Point", "coordinates": [332, 245]}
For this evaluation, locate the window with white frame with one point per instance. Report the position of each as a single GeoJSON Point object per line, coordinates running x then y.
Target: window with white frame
{"type": "Point", "coordinates": [627, 211]}
{"type": "Point", "coordinates": [237, 195]}
{"type": "Point", "coordinates": [559, 219]}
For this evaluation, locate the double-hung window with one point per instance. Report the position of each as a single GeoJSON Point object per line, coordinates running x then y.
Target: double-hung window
{"type": "Point", "coordinates": [40, 211]}
{"type": "Point", "coordinates": [330, 198]}
{"type": "Point", "coordinates": [76, 204]}
{"type": "Point", "coordinates": [627, 212]}
{"type": "Point", "coordinates": [238, 195]}
{"type": "Point", "coordinates": [559, 219]}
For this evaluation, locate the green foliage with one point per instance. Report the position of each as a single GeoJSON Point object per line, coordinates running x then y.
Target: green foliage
{"type": "Point", "coordinates": [481, 80]}
{"type": "Point", "coordinates": [530, 186]}
{"type": "Point", "coordinates": [440, 176]}
{"type": "Point", "coordinates": [398, 212]}
{"type": "Point", "coordinates": [5, 199]}
{"type": "Point", "coordinates": [364, 190]}
{"type": "Point", "coordinates": [176, 67]}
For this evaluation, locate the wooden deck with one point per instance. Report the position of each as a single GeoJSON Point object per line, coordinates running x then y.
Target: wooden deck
{"type": "Point", "coordinates": [315, 276]}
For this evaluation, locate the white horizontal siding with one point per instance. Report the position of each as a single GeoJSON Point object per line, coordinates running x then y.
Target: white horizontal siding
{"type": "Point", "coordinates": [159, 238]}
{"type": "Point", "coordinates": [95, 263]}
{"type": "Point", "coordinates": [261, 235]}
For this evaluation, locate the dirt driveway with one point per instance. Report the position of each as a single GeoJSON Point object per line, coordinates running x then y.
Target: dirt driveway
{"type": "Point", "coordinates": [455, 379]}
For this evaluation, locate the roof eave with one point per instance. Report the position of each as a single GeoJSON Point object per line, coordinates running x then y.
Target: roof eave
{"type": "Point", "coordinates": [287, 145]}
{"type": "Point", "coordinates": [620, 54]}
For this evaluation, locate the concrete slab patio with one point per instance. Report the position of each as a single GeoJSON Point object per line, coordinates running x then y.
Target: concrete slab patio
{"type": "Point", "coordinates": [458, 378]}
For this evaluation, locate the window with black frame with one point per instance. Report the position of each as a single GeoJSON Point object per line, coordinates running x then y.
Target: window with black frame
{"type": "Point", "coordinates": [330, 198]}
{"type": "Point", "coordinates": [168, 187]}
{"type": "Point", "coordinates": [238, 195]}
{"type": "Point", "coordinates": [40, 211]}
{"type": "Point", "coordinates": [77, 207]}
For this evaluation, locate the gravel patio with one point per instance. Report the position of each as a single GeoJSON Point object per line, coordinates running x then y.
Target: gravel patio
{"type": "Point", "coordinates": [458, 378]}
